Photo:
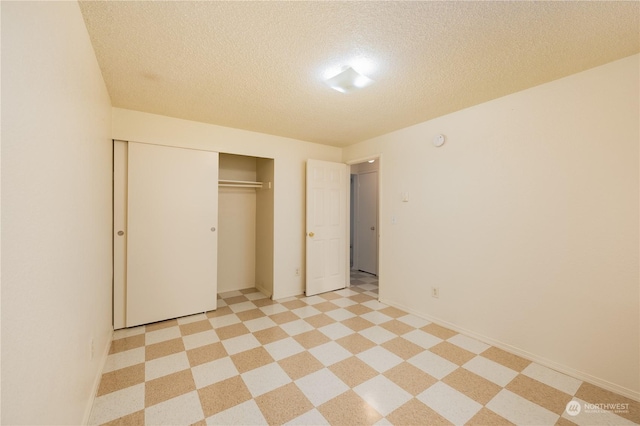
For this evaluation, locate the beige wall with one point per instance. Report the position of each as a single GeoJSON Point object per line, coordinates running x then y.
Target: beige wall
{"type": "Point", "coordinates": [289, 168]}
{"type": "Point", "coordinates": [527, 221]}
{"type": "Point", "coordinates": [56, 215]}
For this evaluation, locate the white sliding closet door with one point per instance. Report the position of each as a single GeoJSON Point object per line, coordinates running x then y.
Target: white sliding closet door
{"type": "Point", "coordinates": [172, 235]}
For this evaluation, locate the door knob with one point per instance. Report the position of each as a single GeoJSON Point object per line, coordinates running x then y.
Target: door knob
{"type": "Point", "coordinates": [311, 234]}
{"type": "Point", "coordinates": [373, 228]}
{"type": "Point", "coordinates": [120, 233]}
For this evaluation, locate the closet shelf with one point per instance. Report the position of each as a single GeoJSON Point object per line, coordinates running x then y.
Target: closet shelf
{"type": "Point", "coordinates": [239, 183]}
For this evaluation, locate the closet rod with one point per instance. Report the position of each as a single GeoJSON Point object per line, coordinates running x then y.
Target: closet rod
{"type": "Point", "coordinates": [239, 183]}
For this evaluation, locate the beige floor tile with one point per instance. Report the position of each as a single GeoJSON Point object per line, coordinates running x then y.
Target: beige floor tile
{"type": "Point", "coordinates": [250, 314]}
{"type": "Point", "coordinates": [355, 343]}
{"type": "Point", "coordinates": [415, 412]}
{"type": "Point", "coordinates": [160, 325]}
{"type": "Point", "coordinates": [453, 353]}
{"type": "Point", "coordinates": [269, 335]}
{"type": "Point", "coordinates": [393, 312]}
{"type": "Point", "coordinates": [353, 371]}
{"type": "Point", "coordinates": [167, 387]}
{"type": "Point", "coordinates": [358, 309]}
{"type": "Point", "coordinates": [283, 404]}
{"type": "Point", "coordinates": [402, 347]}
{"type": "Point", "coordinates": [486, 417]}
{"type": "Point", "coordinates": [596, 395]}
{"type": "Point", "coordinates": [253, 358]}
{"type": "Point", "coordinates": [249, 290]}
{"type": "Point", "coordinates": [511, 361]}
{"type": "Point", "coordinates": [126, 344]}
{"type": "Point", "coordinates": [357, 323]}
{"type": "Point", "coordinates": [397, 327]}
{"type": "Point", "coordinates": [475, 387]}
{"type": "Point", "coordinates": [120, 379]}
{"type": "Point", "coordinates": [133, 419]}
{"type": "Point", "coordinates": [311, 339]}
{"type": "Point", "coordinates": [300, 365]}
{"type": "Point", "coordinates": [546, 396]}
{"type": "Point", "coordinates": [195, 327]}
{"type": "Point", "coordinates": [230, 331]}
{"type": "Point", "coordinates": [325, 306]}
{"type": "Point", "coordinates": [220, 312]}
{"type": "Point", "coordinates": [264, 302]}
{"type": "Point", "coordinates": [294, 304]}
{"type": "Point", "coordinates": [283, 317]}
{"type": "Point", "coordinates": [361, 298]}
{"type": "Point", "coordinates": [235, 299]}
{"type": "Point", "coordinates": [168, 347]}
{"type": "Point", "coordinates": [329, 296]}
{"type": "Point", "coordinates": [349, 409]}
{"type": "Point", "coordinates": [438, 331]}
{"type": "Point", "coordinates": [410, 378]}
{"type": "Point", "coordinates": [319, 320]}
{"type": "Point", "coordinates": [223, 395]}
{"type": "Point", "coordinates": [564, 422]}
{"type": "Point", "coordinates": [204, 354]}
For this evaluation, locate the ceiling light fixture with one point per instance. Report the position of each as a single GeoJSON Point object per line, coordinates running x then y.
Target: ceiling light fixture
{"type": "Point", "coordinates": [348, 81]}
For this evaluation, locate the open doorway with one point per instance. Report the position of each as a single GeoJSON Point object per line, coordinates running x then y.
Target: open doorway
{"type": "Point", "coordinates": [364, 225]}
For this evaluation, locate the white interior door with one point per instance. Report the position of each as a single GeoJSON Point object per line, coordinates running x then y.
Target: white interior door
{"type": "Point", "coordinates": [172, 236]}
{"type": "Point", "coordinates": [119, 233]}
{"type": "Point", "coordinates": [327, 198]}
{"type": "Point", "coordinates": [367, 222]}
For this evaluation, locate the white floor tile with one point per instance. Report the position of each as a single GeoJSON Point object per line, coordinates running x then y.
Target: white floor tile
{"type": "Point", "coordinates": [265, 379]}
{"type": "Point", "coordinates": [330, 353]}
{"type": "Point", "coordinates": [166, 365]}
{"type": "Point", "coordinates": [491, 370]}
{"type": "Point", "coordinates": [162, 335]}
{"type": "Point", "coordinates": [376, 317]}
{"type": "Point", "coordinates": [259, 324]}
{"type": "Point", "coordinates": [306, 311]}
{"type": "Point", "coordinates": [382, 394]}
{"type": "Point", "coordinates": [472, 345]}
{"type": "Point", "coordinates": [552, 378]}
{"type": "Point", "coordinates": [283, 348]}
{"type": "Point", "coordinates": [379, 358]}
{"type": "Point", "coordinates": [273, 309]}
{"type": "Point", "coordinates": [255, 296]}
{"type": "Point", "coordinates": [241, 307]}
{"type": "Point", "coordinates": [421, 338]}
{"type": "Point", "coordinates": [128, 332]}
{"type": "Point", "coordinates": [449, 403]}
{"type": "Point", "coordinates": [225, 320]}
{"type": "Point", "coordinates": [313, 300]}
{"type": "Point", "coordinates": [293, 328]}
{"type": "Point", "coordinates": [340, 314]}
{"type": "Point", "coordinates": [184, 409]}
{"type": "Point", "coordinates": [192, 318]}
{"type": "Point", "coordinates": [414, 321]}
{"type": "Point", "coordinates": [117, 404]}
{"type": "Point", "coordinates": [344, 302]}
{"type": "Point", "coordinates": [240, 344]}
{"type": "Point", "coordinates": [336, 330]}
{"type": "Point", "coordinates": [519, 410]}
{"type": "Point", "coordinates": [321, 386]}
{"type": "Point", "coordinates": [124, 359]}
{"type": "Point", "coordinates": [197, 340]}
{"type": "Point", "coordinates": [213, 372]}
{"type": "Point", "coordinates": [312, 417]}
{"type": "Point", "coordinates": [375, 305]}
{"type": "Point", "coordinates": [247, 413]}
{"type": "Point", "coordinates": [433, 364]}
{"type": "Point", "coordinates": [377, 334]}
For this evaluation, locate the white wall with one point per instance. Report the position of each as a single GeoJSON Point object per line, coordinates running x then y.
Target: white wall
{"type": "Point", "coordinates": [289, 176]}
{"type": "Point", "coordinates": [527, 221]}
{"type": "Point", "coordinates": [56, 214]}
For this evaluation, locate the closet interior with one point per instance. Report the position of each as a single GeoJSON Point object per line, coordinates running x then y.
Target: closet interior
{"type": "Point", "coordinates": [245, 223]}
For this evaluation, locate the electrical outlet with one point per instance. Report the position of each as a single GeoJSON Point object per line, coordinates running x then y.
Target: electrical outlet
{"type": "Point", "coordinates": [435, 292]}
{"type": "Point", "coordinates": [297, 272]}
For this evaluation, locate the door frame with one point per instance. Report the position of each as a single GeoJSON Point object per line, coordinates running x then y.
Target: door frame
{"type": "Point", "coordinates": [378, 158]}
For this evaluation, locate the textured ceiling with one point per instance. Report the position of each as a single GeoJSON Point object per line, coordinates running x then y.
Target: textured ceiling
{"type": "Point", "coordinates": [259, 65]}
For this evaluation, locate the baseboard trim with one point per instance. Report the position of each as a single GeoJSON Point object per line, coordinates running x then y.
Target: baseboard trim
{"type": "Point", "coordinates": [580, 375]}
{"type": "Point", "coordinates": [96, 381]}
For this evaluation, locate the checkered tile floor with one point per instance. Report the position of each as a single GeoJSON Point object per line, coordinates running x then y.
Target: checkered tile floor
{"type": "Point", "coordinates": [340, 358]}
